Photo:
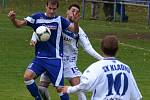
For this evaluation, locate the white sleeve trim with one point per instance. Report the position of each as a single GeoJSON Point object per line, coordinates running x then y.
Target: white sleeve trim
{"type": "Point", "coordinates": [34, 37]}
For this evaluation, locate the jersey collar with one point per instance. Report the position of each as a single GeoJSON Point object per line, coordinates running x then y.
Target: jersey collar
{"type": "Point", "coordinates": [109, 58]}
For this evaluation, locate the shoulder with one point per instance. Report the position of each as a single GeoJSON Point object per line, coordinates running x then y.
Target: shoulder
{"type": "Point", "coordinates": [96, 65]}
{"type": "Point", "coordinates": [123, 64]}
{"type": "Point", "coordinates": [94, 69]}
{"type": "Point", "coordinates": [81, 32]}
{"type": "Point", "coordinates": [37, 13]}
{"type": "Point", "coordinates": [62, 18]}
{"type": "Point", "coordinates": [65, 23]}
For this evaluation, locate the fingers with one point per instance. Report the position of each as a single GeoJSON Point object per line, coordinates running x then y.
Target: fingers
{"type": "Point", "coordinates": [62, 89]}
{"type": "Point", "coordinates": [59, 90]}
{"type": "Point", "coordinates": [76, 17]}
{"type": "Point", "coordinates": [12, 14]}
{"type": "Point", "coordinates": [33, 43]}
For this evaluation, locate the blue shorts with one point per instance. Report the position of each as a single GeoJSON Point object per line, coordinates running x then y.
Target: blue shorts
{"type": "Point", "coordinates": [53, 68]}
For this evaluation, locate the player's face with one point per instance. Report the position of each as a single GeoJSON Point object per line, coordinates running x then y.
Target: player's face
{"type": "Point", "coordinates": [73, 11]}
{"type": "Point", "coordinates": [51, 10]}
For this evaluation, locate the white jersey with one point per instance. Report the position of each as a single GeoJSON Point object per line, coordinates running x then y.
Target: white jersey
{"type": "Point", "coordinates": [108, 79]}
{"type": "Point", "coordinates": [71, 48]}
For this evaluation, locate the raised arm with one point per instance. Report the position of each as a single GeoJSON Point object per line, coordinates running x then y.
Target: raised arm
{"type": "Point", "coordinates": [16, 22]}
{"type": "Point", "coordinates": [74, 27]}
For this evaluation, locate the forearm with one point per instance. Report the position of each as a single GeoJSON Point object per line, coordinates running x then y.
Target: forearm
{"type": "Point", "coordinates": [72, 89]}
{"type": "Point", "coordinates": [18, 23]}
{"type": "Point", "coordinates": [89, 49]}
{"type": "Point", "coordinates": [76, 27]}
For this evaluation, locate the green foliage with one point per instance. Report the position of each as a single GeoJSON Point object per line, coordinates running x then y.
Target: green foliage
{"type": "Point", "coordinates": [16, 54]}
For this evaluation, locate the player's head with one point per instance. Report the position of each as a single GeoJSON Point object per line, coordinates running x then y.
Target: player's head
{"type": "Point", "coordinates": [72, 10]}
{"type": "Point", "coordinates": [109, 45]}
{"type": "Point", "coordinates": [51, 7]}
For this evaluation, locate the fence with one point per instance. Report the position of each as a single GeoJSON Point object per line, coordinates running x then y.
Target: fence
{"type": "Point", "coordinates": [143, 3]}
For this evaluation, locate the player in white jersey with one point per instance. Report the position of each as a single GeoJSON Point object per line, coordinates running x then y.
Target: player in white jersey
{"type": "Point", "coordinates": [70, 55]}
{"type": "Point", "coordinates": [108, 79]}
{"type": "Point", "coordinates": [48, 54]}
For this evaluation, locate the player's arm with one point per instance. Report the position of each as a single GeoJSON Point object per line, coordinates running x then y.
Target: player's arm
{"type": "Point", "coordinates": [88, 81]}
{"type": "Point", "coordinates": [85, 43]}
{"type": "Point", "coordinates": [34, 39]}
{"type": "Point", "coordinates": [16, 22]}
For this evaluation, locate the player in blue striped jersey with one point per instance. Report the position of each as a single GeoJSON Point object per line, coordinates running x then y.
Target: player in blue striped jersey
{"type": "Point", "coordinates": [108, 79]}
{"type": "Point", "coordinates": [48, 55]}
{"type": "Point", "coordinates": [70, 54]}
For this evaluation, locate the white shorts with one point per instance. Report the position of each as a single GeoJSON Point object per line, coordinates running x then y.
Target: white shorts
{"type": "Point", "coordinates": [69, 72]}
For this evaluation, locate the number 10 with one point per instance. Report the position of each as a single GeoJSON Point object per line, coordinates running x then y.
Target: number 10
{"type": "Point", "coordinates": [116, 84]}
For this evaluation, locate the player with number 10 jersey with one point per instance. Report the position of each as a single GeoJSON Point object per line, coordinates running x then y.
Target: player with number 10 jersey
{"type": "Point", "coordinates": [109, 78]}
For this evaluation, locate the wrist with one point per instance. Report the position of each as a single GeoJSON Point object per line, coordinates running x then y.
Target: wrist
{"type": "Point", "coordinates": [13, 19]}
{"type": "Point", "coordinates": [72, 89]}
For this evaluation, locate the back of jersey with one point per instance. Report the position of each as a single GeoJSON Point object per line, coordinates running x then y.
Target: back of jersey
{"type": "Point", "coordinates": [115, 82]}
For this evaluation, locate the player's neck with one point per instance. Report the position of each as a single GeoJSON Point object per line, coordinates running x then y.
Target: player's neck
{"type": "Point", "coordinates": [107, 56]}
{"type": "Point", "coordinates": [49, 15]}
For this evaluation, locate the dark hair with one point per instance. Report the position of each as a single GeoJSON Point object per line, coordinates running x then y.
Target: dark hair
{"type": "Point", "coordinates": [109, 45]}
{"type": "Point", "coordinates": [74, 5]}
{"type": "Point", "coordinates": [53, 2]}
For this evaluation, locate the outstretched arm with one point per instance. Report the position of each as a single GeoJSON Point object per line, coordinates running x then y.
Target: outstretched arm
{"type": "Point", "coordinates": [89, 81]}
{"type": "Point", "coordinates": [16, 22]}
{"type": "Point", "coordinates": [85, 43]}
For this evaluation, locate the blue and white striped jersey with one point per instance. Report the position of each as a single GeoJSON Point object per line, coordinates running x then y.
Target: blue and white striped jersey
{"type": "Point", "coordinates": [53, 48]}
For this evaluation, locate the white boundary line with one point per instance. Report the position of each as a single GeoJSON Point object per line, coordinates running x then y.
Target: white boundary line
{"type": "Point", "coordinates": [131, 46]}
{"type": "Point", "coordinates": [135, 47]}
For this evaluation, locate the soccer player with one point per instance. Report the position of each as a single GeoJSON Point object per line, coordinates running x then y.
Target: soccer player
{"type": "Point", "coordinates": [48, 55]}
{"type": "Point", "coordinates": [108, 79]}
{"type": "Point", "coordinates": [70, 49]}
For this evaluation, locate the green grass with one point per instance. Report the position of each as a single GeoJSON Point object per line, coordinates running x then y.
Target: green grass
{"type": "Point", "coordinates": [16, 54]}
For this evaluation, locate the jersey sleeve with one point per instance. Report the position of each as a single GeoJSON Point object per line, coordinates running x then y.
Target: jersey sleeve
{"type": "Point", "coordinates": [85, 43]}
{"type": "Point", "coordinates": [65, 23]}
{"type": "Point", "coordinates": [31, 20]}
{"type": "Point", "coordinates": [88, 81]}
{"type": "Point", "coordinates": [34, 37]}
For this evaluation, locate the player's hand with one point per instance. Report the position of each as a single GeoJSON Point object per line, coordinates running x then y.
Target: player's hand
{"type": "Point", "coordinates": [62, 89]}
{"type": "Point", "coordinates": [12, 15]}
{"type": "Point", "coordinates": [33, 43]}
{"type": "Point", "coordinates": [76, 17]}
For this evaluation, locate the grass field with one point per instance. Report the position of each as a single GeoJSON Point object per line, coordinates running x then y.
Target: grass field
{"type": "Point", "coordinates": [16, 54]}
